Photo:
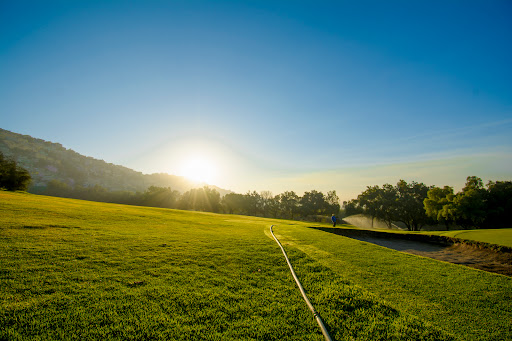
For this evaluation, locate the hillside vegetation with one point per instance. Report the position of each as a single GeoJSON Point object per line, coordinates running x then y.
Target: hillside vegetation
{"type": "Point", "coordinates": [74, 270]}
{"type": "Point", "coordinates": [47, 161]}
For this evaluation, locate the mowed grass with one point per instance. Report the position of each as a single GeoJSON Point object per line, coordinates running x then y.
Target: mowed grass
{"type": "Point", "coordinates": [491, 236]}
{"type": "Point", "coordinates": [468, 303]}
{"type": "Point", "coordinates": [78, 270]}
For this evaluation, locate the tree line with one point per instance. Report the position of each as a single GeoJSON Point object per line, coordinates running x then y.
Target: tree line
{"type": "Point", "coordinates": [288, 205]}
{"type": "Point", "coordinates": [416, 204]}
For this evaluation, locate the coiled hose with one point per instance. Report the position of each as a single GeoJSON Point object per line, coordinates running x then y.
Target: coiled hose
{"type": "Point", "coordinates": [302, 291]}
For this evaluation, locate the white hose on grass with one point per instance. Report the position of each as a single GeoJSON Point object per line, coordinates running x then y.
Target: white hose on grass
{"type": "Point", "coordinates": [302, 291]}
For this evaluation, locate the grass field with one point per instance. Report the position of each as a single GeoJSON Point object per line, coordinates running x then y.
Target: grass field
{"type": "Point", "coordinates": [492, 236]}
{"type": "Point", "coordinates": [455, 298]}
{"type": "Point", "coordinates": [78, 270]}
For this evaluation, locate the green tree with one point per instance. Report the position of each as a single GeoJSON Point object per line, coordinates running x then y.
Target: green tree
{"type": "Point", "coordinates": [378, 202]}
{"type": "Point", "coordinates": [332, 203]}
{"type": "Point", "coordinates": [439, 205]}
{"type": "Point", "coordinates": [368, 201]}
{"type": "Point", "coordinates": [352, 207]}
{"type": "Point", "coordinates": [313, 203]}
{"type": "Point", "coordinates": [12, 176]}
{"type": "Point", "coordinates": [269, 205]}
{"type": "Point", "coordinates": [289, 203]}
{"type": "Point", "coordinates": [499, 204]}
{"type": "Point", "coordinates": [233, 203]}
{"type": "Point", "coordinates": [252, 203]}
{"type": "Point", "coordinates": [470, 203]}
{"type": "Point", "coordinates": [387, 204]}
{"type": "Point", "coordinates": [160, 197]}
{"type": "Point", "coordinates": [200, 199]}
{"type": "Point", "coordinates": [213, 198]}
{"type": "Point", "coordinates": [410, 207]}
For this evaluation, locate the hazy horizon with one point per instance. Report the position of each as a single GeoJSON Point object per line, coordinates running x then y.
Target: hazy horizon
{"type": "Point", "coordinates": [267, 95]}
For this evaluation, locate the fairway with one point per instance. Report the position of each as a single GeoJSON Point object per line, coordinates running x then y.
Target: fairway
{"type": "Point", "coordinates": [456, 298]}
{"type": "Point", "coordinates": [491, 236]}
{"type": "Point", "coordinates": [75, 270]}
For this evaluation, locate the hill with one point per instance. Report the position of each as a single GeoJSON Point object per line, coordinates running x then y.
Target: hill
{"type": "Point", "coordinates": [46, 161]}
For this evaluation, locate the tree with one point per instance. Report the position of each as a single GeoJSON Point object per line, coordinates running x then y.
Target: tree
{"type": "Point", "coordinates": [160, 197]}
{"type": "Point", "coordinates": [268, 204]}
{"type": "Point", "coordinates": [213, 197]}
{"type": "Point", "coordinates": [253, 203]}
{"type": "Point", "coordinates": [313, 203]}
{"type": "Point", "coordinates": [439, 205]}
{"type": "Point", "coordinates": [12, 176]}
{"type": "Point", "coordinates": [200, 199]}
{"type": "Point", "coordinates": [410, 208]}
{"type": "Point", "coordinates": [233, 203]}
{"type": "Point", "coordinates": [332, 203]}
{"type": "Point", "coordinates": [470, 204]}
{"type": "Point", "coordinates": [499, 204]}
{"type": "Point", "coordinates": [386, 202]}
{"type": "Point", "coordinates": [273, 207]}
{"type": "Point", "coordinates": [380, 203]}
{"type": "Point", "coordinates": [352, 207]}
{"type": "Point", "coordinates": [368, 201]}
{"type": "Point", "coordinates": [249, 203]}
{"type": "Point", "coordinates": [289, 203]}
{"type": "Point", "coordinates": [94, 193]}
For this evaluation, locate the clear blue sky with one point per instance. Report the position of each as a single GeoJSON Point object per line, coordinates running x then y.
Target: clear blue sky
{"type": "Point", "coordinates": [275, 95]}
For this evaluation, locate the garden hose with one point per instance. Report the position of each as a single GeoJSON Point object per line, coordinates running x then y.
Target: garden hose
{"type": "Point", "coordinates": [303, 292]}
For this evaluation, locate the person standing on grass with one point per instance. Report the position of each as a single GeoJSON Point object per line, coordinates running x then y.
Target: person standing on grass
{"type": "Point", "coordinates": [333, 219]}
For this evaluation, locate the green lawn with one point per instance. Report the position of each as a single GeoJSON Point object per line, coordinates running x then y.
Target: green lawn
{"type": "Point", "coordinates": [492, 236]}
{"type": "Point", "coordinates": [75, 270]}
{"type": "Point", "coordinates": [79, 270]}
{"type": "Point", "coordinates": [471, 304]}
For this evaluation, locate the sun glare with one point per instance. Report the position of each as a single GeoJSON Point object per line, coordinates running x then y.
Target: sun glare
{"type": "Point", "coordinates": [199, 170]}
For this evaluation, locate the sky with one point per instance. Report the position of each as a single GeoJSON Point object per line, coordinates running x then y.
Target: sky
{"type": "Point", "coordinates": [267, 95]}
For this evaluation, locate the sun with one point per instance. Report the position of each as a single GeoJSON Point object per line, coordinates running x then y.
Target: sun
{"type": "Point", "coordinates": [199, 169]}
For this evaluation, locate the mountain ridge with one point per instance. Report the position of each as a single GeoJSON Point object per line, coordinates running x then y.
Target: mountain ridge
{"type": "Point", "coordinates": [46, 161]}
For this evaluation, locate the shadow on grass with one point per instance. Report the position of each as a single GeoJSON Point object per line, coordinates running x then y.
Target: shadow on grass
{"type": "Point", "coordinates": [49, 226]}
{"type": "Point", "coordinates": [400, 242]}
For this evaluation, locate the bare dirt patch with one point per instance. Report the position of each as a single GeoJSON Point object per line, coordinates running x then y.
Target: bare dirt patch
{"type": "Point", "coordinates": [458, 253]}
